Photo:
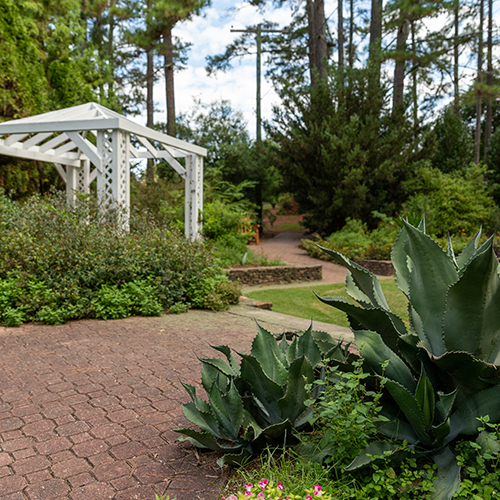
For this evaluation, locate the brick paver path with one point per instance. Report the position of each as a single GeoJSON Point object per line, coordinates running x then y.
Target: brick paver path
{"type": "Point", "coordinates": [87, 409]}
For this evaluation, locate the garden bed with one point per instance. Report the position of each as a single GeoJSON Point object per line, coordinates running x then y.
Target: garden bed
{"type": "Point", "coordinates": [378, 267]}
{"type": "Point", "coordinates": [275, 275]}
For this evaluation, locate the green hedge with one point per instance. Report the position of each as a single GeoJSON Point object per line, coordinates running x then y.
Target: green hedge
{"type": "Point", "coordinates": [59, 263]}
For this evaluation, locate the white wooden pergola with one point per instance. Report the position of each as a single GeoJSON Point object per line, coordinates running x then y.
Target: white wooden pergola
{"type": "Point", "coordinates": [89, 142]}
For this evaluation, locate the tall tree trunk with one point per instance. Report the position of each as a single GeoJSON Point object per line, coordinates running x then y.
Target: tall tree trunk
{"type": "Point", "coordinates": [414, 82]}
{"type": "Point", "coordinates": [110, 77]}
{"type": "Point", "coordinates": [150, 173]}
{"type": "Point", "coordinates": [168, 57]}
{"type": "Point", "coordinates": [489, 81]}
{"type": "Point", "coordinates": [479, 81]}
{"type": "Point", "coordinates": [376, 39]}
{"type": "Point", "coordinates": [311, 41]}
{"type": "Point", "coordinates": [341, 34]}
{"type": "Point", "coordinates": [399, 70]}
{"type": "Point", "coordinates": [315, 10]}
{"type": "Point", "coordinates": [456, 13]}
{"type": "Point", "coordinates": [351, 34]}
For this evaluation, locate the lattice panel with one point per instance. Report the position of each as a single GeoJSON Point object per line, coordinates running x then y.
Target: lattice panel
{"type": "Point", "coordinates": [106, 192]}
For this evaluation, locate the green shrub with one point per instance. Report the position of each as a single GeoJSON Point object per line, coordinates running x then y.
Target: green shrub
{"type": "Point", "coordinates": [60, 263]}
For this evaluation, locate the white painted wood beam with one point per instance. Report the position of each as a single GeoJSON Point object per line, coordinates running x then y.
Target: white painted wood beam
{"type": "Point", "coordinates": [35, 155]}
{"type": "Point", "coordinates": [86, 148]}
{"type": "Point", "coordinates": [53, 143]}
{"type": "Point", "coordinates": [14, 138]}
{"type": "Point", "coordinates": [36, 139]}
{"type": "Point", "coordinates": [60, 171]}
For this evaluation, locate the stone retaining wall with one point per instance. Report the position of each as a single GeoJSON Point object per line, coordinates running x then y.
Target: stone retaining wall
{"type": "Point", "coordinates": [379, 267]}
{"type": "Point", "coordinates": [275, 275]}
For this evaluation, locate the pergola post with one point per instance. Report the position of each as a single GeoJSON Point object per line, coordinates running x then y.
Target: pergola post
{"type": "Point", "coordinates": [193, 196]}
{"type": "Point", "coordinates": [113, 178]}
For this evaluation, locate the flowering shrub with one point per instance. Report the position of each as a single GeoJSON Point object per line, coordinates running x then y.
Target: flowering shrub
{"type": "Point", "coordinates": [267, 490]}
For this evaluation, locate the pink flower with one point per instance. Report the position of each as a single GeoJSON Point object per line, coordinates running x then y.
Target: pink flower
{"type": "Point", "coordinates": [261, 495]}
{"type": "Point", "coordinates": [317, 489]}
{"type": "Point", "coordinates": [309, 497]}
{"type": "Point", "coordinates": [280, 486]}
{"type": "Point", "coordinates": [232, 497]}
{"type": "Point", "coordinates": [248, 494]}
{"type": "Point", "coordinates": [248, 486]}
{"type": "Point", "coordinates": [263, 484]}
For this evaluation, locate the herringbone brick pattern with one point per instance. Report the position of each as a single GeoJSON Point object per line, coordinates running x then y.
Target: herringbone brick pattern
{"type": "Point", "coordinates": [87, 409]}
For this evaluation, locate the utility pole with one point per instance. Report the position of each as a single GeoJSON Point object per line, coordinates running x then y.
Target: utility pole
{"type": "Point", "coordinates": [258, 39]}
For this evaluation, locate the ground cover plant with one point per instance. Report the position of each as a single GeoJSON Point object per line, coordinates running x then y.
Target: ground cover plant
{"type": "Point", "coordinates": [64, 262]}
{"type": "Point", "coordinates": [303, 303]}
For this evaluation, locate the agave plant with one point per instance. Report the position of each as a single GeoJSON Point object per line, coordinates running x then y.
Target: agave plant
{"type": "Point", "coordinates": [442, 372]}
{"type": "Point", "coordinates": [260, 401]}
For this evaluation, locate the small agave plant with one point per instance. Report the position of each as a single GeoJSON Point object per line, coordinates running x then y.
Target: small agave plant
{"type": "Point", "coordinates": [442, 373]}
{"type": "Point", "coordinates": [262, 400]}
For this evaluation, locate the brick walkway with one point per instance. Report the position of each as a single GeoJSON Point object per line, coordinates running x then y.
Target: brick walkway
{"type": "Point", "coordinates": [87, 409]}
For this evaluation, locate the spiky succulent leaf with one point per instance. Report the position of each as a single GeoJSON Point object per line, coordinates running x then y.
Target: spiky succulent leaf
{"type": "Point", "coordinates": [235, 459]}
{"type": "Point", "coordinates": [448, 475]}
{"type": "Point", "coordinates": [209, 375]}
{"type": "Point", "coordinates": [326, 343]}
{"type": "Point", "coordinates": [306, 346]}
{"type": "Point", "coordinates": [469, 250]}
{"type": "Point", "coordinates": [362, 285]}
{"type": "Point", "coordinates": [206, 440]}
{"type": "Point", "coordinates": [464, 420]}
{"type": "Point", "coordinates": [228, 410]}
{"type": "Point", "coordinates": [251, 429]}
{"type": "Point", "coordinates": [224, 349]}
{"type": "Point", "coordinates": [387, 324]}
{"type": "Point", "coordinates": [282, 431]}
{"type": "Point", "coordinates": [431, 274]}
{"type": "Point", "coordinates": [426, 400]}
{"type": "Point", "coordinates": [374, 451]}
{"type": "Point", "coordinates": [200, 404]}
{"type": "Point", "coordinates": [401, 263]}
{"type": "Point", "coordinates": [265, 390]}
{"type": "Point", "coordinates": [395, 428]}
{"type": "Point", "coordinates": [221, 365]}
{"type": "Point", "coordinates": [206, 421]}
{"type": "Point", "coordinates": [272, 360]}
{"type": "Point", "coordinates": [472, 310]}
{"type": "Point", "coordinates": [411, 410]}
{"type": "Point", "coordinates": [300, 374]}
{"type": "Point", "coordinates": [373, 349]}
{"type": "Point", "coordinates": [409, 351]}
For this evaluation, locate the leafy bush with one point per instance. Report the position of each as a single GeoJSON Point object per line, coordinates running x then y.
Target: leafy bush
{"type": "Point", "coordinates": [458, 202]}
{"type": "Point", "coordinates": [60, 263]}
{"type": "Point", "coordinates": [356, 241]}
{"type": "Point", "coordinates": [441, 375]}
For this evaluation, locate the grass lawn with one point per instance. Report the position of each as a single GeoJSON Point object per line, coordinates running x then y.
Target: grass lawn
{"type": "Point", "coordinates": [302, 303]}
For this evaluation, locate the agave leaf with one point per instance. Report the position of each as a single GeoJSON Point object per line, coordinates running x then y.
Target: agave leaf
{"type": "Point", "coordinates": [448, 475]}
{"type": "Point", "coordinates": [469, 250]}
{"type": "Point", "coordinates": [283, 345]}
{"type": "Point", "coordinates": [426, 400]}
{"type": "Point", "coordinates": [228, 409]}
{"type": "Point", "coordinates": [221, 365]}
{"type": "Point", "coordinates": [444, 404]}
{"type": "Point", "coordinates": [252, 430]}
{"type": "Point", "coordinates": [401, 263]}
{"type": "Point", "coordinates": [408, 348]}
{"type": "Point", "coordinates": [224, 349]}
{"type": "Point", "coordinates": [235, 459]}
{"type": "Point", "coordinates": [472, 374]}
{"type": "Point", "coordinates": [464, 420]}
{"type": "Point", "coordinates": [410, 408]}
{"type": "Point", "coordinates": [431, 275]}
{"type": "Point", "coordinates": [206, 421]}
{"type": "Point", "coordinates": [292, 403]}
{"type": "Point", "coordinates": [383, 322]}
{"type": "Point", "coordinates": [325, 341]}
{"type": "Point", "coordinates": [208, 376]}
{"type": "Point", "coordinates": [282, 431]}
{"type": "Point", "coordinates": [265, 348]}
{"type": "Point", "coordinates": [450, 251]}
{"type": "Point", "coordinates": [291, 354]}
{"type": "Point", "coordinates": [472, 311]}
{"type": "Point", "coordinates": [262, 387]}
{"type": "Point", "coordinates": [361, 284]}
{"type": "Point", "coordinates": [205, 440]}
{"type": "Point", "coordinates": [308, 348]}
{"type": "Point", "coordinates": [396, 428]}
{"type": "Point", "coordinates": [374, 351]}
{"type": "Point", "coordinates": [372, 452]}
{"type": "Point", "coordinates": [201, 405]}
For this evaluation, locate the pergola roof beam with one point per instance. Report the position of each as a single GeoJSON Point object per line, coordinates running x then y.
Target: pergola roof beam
{"type": "Point", "coordinates": [65, 147]}
{"type": "Point", "coordinates": [148, 146]}
{"type": "Point", "coordinates": [86, 148]}
{"type": "Point", "coordinates": [36, 139]}
{"type": "Point", "coordinates": [53, 143]}
{"type": "Point", "coordinates": [12, 139]}
{"type": "Point", "coordinates": [31, 154]}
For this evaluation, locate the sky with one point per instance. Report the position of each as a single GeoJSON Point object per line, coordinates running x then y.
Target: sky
{"type": "Point", "coordinates": [209, 34]}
